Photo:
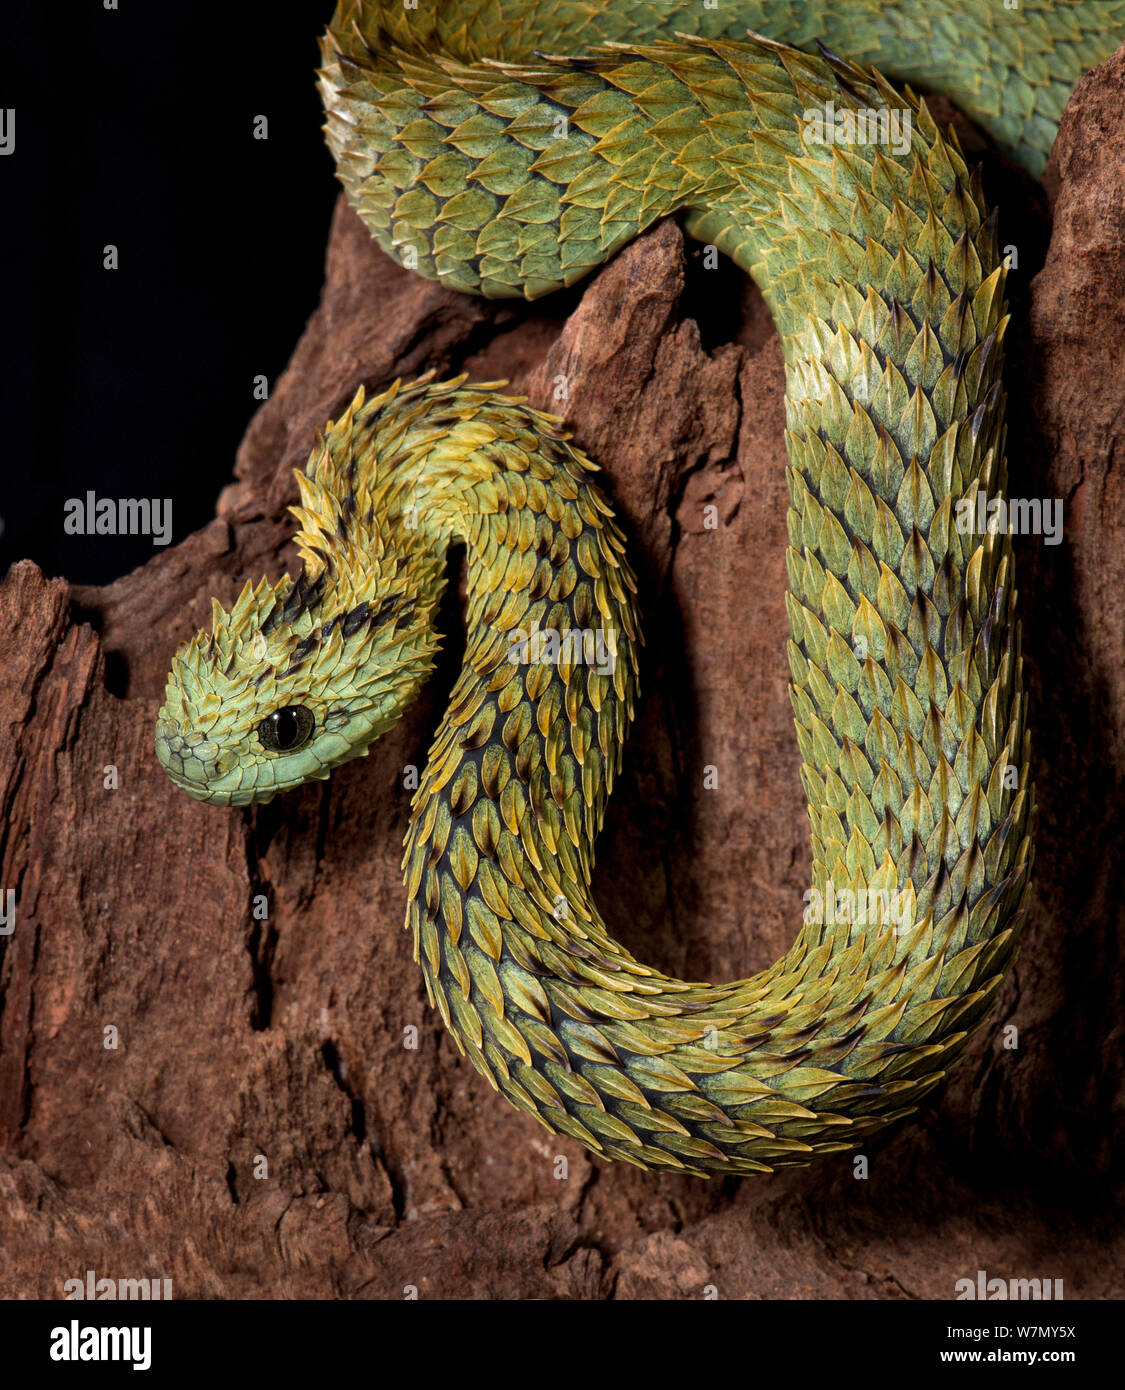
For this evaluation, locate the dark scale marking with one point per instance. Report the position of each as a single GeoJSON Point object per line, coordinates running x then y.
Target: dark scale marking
{"type": "Point", "coordinates": [325, 559]}
{"type": "Point", "coordinates": [383, 612]}
{"type": "Point", "coordinates": [271, 620]}
{"type": "Point", "coordinates": [393, 611]}
{"type": "Point", "coordinates": [827, 52]}
{"type": "Point", "coordinates": [302, 598]}
{"type": "Point", "coordinates": [310, 596]}
{"type": "Point", "coordinates": [356, 618]}
{"type": "Point", "coordinates": [579, 63]}
{"type": "Point", "coordinates": [463, 799]}
{"type": "Point", "coordinates": [301, 651]}
{"type": "Point", "coordinates": [477, 739]}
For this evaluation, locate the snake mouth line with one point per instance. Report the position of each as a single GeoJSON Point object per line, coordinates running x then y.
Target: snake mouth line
{"type": "Point", "coordinates": [180, 760]}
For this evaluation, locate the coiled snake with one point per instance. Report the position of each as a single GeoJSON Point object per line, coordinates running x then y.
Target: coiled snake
{"type": "Point", "coordinates": [504, 171]}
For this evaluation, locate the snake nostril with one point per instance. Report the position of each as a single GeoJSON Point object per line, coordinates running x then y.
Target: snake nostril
{"type": "Point", "coordinates": [190, 756]}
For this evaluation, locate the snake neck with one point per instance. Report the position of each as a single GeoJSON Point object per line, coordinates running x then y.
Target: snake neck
{"type": "Point", "coordinates": [501, 841]}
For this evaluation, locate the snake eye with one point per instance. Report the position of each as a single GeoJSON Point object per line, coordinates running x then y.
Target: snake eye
{"type": "Point", "coordinates": [286, 729]}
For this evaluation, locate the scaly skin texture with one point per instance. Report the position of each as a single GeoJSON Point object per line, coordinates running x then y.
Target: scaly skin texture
{"type": "Point", "coordinates": [881, 267]}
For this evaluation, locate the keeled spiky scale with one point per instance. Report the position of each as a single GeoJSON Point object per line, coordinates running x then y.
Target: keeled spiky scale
{"type": "Point", "coordinates": [882, 270]}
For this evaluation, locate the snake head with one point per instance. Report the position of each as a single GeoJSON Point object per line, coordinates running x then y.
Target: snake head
{"type": "Point", "coordinates": [299, 678]}
{"type": "Point", "coordinates": [293, 681]}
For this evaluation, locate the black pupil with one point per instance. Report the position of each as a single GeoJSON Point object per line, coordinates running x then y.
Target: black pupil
{"type": "Point", "coordinates": [286, 728]}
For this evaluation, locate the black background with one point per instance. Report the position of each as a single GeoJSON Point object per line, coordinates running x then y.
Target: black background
{"type": "Point", "coordinates": [135, 127]}
{"type": "Point", "coordinates": [903, 1339]}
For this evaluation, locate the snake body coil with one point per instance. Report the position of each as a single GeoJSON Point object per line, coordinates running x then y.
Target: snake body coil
{"type": "Point", "coordinates": [505, 172]}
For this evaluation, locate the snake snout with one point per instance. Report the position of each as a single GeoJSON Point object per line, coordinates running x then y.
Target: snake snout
{"type": "Point", "coordinates": [191, 760]}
